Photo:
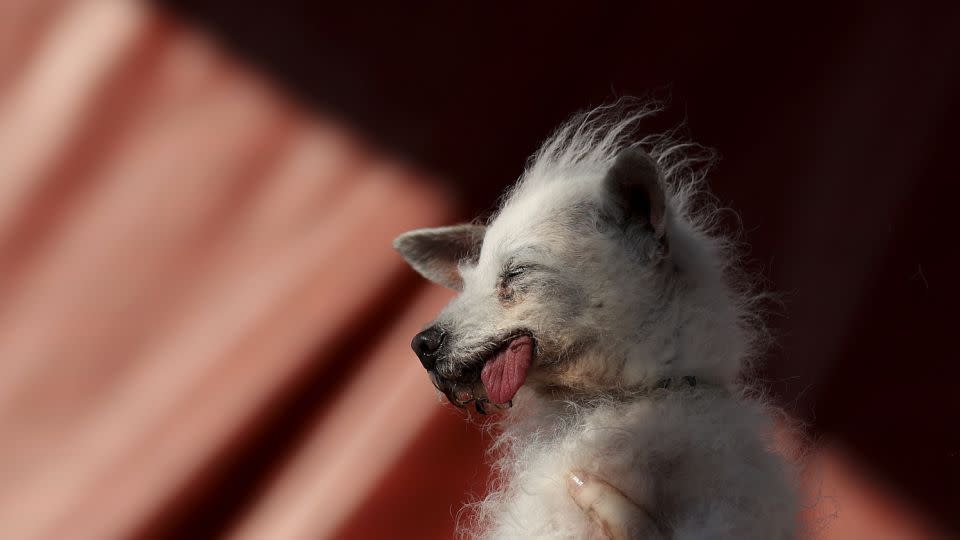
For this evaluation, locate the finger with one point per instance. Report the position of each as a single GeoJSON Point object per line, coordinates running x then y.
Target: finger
{"type": "Point", "coordinates": [619, 517]}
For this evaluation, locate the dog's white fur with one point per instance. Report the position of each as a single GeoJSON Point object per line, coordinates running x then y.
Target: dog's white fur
{"type": "Point", "coordinates": [614, 314]}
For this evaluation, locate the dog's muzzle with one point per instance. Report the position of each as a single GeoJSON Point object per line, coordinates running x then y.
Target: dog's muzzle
{"type": "Point", "coordinates": [428, 345]}
{"type": "Point", "coordinates": [492, 379]}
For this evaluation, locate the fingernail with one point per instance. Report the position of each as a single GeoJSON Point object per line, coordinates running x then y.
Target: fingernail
{"type": "Point", "coordinates": [575, 481]}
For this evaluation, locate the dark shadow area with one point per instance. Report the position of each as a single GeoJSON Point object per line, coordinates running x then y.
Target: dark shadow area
{"type": "Point", "coordinates": [836, 127]}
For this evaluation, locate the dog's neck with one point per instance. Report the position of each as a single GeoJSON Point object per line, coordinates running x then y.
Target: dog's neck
{"type": "Point", "coordinates": [550, 406]}
{"type": "Point", "coordinates": [581, 395]}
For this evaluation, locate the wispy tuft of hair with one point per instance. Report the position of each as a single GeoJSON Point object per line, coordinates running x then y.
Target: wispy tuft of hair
{"type": "Point", "coordinates": [588, 144]}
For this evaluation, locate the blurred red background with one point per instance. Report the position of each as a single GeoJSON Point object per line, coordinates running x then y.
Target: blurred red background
{"type": "Point", "coordinates": [204, 331]}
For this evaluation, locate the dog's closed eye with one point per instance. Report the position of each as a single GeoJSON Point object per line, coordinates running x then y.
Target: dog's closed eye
{"type": "Point", "coordinates": [505, 289]}
{"type": "Point", "coordinates": [512, 273]}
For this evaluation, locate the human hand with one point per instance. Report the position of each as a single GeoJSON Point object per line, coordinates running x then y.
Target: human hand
{"type": "Point", "coordinates": [617, 516]}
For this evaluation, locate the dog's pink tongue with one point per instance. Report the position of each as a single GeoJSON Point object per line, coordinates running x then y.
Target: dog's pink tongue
{"type": "Point", "coordinates": [504, 374]}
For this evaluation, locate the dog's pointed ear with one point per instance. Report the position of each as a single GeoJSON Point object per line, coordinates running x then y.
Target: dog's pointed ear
{"type": "Point", "coordinates": [637, 191]}
{"type": "Point", "coordinates": [437, 253]}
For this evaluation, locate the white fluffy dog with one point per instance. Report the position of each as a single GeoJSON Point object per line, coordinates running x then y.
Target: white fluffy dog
{"type": "Point", "coordinates": [601, 305]}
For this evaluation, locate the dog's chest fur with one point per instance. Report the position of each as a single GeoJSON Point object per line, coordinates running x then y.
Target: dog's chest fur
{"type": "Point", "coordinates": [695, 458]}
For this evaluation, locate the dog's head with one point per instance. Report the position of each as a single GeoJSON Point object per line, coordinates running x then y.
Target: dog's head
{"type": "Point", "coordinates": [557, 290]}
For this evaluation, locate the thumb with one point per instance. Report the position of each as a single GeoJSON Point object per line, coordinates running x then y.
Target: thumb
{"type": "Point", "coordinates": [617, 515]}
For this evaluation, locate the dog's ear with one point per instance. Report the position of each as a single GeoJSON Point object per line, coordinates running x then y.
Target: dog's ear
{"type": "Point", "coordinates": [436, 253]}
{"type": "Point", "coordinates": [636, 189]}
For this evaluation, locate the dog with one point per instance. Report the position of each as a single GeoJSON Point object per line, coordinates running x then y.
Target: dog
{"type": "Point", "coordinates": [604, 314]}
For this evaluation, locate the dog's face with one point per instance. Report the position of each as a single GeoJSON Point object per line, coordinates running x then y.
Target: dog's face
{"type": "Point", "coordinates": [546, 287]}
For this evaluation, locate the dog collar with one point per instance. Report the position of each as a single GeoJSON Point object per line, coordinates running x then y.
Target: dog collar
{"type": "Point", "coordinates": [667, 383]}
{"type": "Point", "coordinates": [673, 384]}
{"type": "Point", "coordinates": [670, 384]}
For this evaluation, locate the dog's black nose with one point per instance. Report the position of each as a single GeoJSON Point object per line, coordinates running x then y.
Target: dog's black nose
{"type": "Point", "coordinates": [426, 344]}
